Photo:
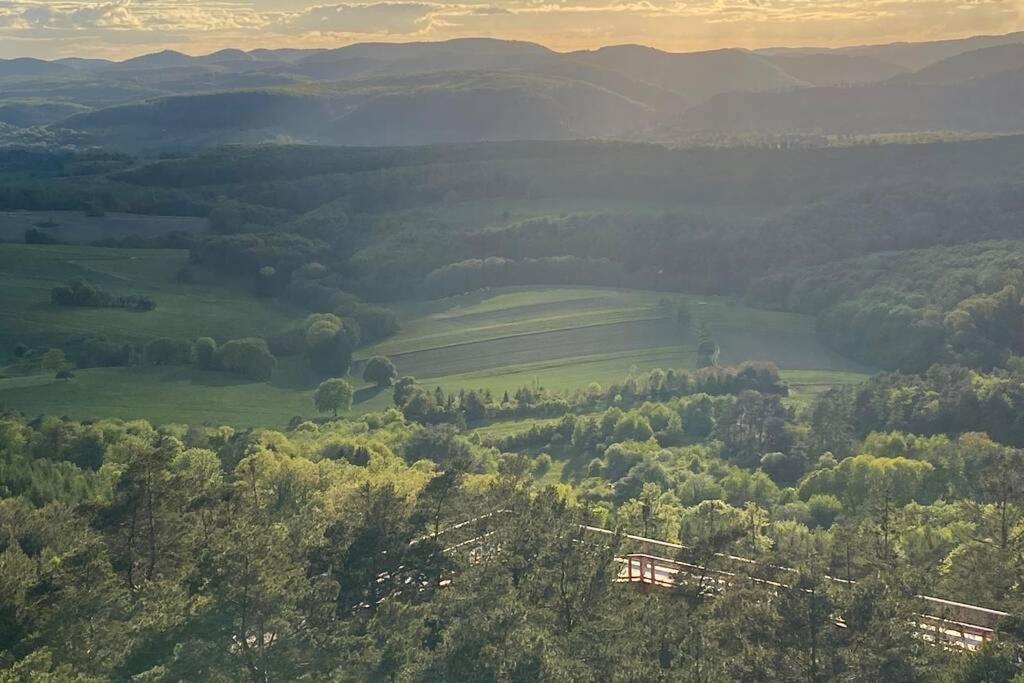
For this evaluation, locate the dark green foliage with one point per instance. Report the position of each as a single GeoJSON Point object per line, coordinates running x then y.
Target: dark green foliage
{"type": "Point", "coordinates": [910, 310]}
{"type": "Point", "coordinates": [167, 351]}
{"type": "Point", "coordinates": [204, 351]}
{"type": "Point", "coordinates": [755, 424]}
{"type": "Point", "coordinates": [100, 353]}
{"type": "Point", "coordinates": [380, 371]}
{"type": "Point", "coordinates": [945, 400]}
{"type": "Point", "coordinates": [246, 254]}
{"type": "Point", "coordinates": [37, 236]}
{"type": "Point", "coordinates": [440, 443]}
{"type": "Point", "coordinates": [230, 216]}
{"type": "Point", "coordinates": [81, 293]}
{"type": "Point", "coordinates": [329, 343]}
{"type": "Point", "coordinates": [250, 358]}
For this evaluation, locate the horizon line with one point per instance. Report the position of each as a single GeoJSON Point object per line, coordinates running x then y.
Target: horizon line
{"type": "Point", "coordinates": [483, 38]}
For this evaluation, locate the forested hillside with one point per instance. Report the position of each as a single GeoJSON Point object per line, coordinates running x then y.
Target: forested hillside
{"type": "Point", "coordinates": [478, 89]}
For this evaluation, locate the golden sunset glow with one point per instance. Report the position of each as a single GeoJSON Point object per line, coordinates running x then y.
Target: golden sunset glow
{"type": "Point", "coordinates": [124, 28]}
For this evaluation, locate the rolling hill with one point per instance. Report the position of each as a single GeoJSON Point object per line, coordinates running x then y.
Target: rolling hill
{"type": "Point", "coordinates": [991, 104]}
{"type": "Point", "coordinates": [478, 89]}
{"type": "Point", "coordinates": [975, 64]}
{"type": "Point", "coordinates": [912, 56]}
{"type": "Point", "coordinates": [442, 107]}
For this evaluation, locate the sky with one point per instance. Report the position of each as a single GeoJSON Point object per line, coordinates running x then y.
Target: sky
{"type": "Point", "coordinates": [125, 28]}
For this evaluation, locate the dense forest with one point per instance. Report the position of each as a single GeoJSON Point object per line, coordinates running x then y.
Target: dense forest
{"type": "Point", "coordinates": [384, 225]}
{"type": "Point", "coordinates": [331, 551]}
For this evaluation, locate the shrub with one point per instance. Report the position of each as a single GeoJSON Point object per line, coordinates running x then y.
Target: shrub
{"type": "Point", "coordinates": [100, 353]}
{"type": "Point", "coordinates": [541, 465]}
{"type": "Point", "coordinates": [248, 357]}
{"type": "Point", "coordinates": [53, 360]}
{"type": "Point", "coordinates": [380, 370]}
{"type": "Point", "coordinates": [36, 236]}
{"type": "Point", "coordinates": [205, 353]}
{"type": "Point", "coordinates": [168, 351]}
{"type": "Point", "coordinates": [329, 343]}
{"type": "Point", "coordinates": [79, 293]}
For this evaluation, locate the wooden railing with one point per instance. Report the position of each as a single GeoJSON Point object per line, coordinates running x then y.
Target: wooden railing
{"type": "Point", "coordinates": [938, 628]}
{"type": "Point", "coordinates": [653, 563]}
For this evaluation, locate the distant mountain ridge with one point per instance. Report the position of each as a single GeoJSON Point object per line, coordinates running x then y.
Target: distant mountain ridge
{"type": "Point", "coordinates": [476, 89]}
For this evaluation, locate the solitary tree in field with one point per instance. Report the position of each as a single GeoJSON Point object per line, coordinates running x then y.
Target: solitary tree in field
{"type": "Point", "coordinates": [53, 360]}
{"type": "Point", "coordinates": [380, 370]}
{"type": "Point", "coordinates": [332, 396]}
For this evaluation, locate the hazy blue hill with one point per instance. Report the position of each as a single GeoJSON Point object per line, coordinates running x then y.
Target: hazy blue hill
{"type": "Point", "coordinates": [974, 64]}
{"type": "Point", "coordinates": [83, 64]}
{"type": "Point", "coordinates": [438, 107]}
{"type": "Point", "coordinates": [78, 89]}
{"type": "Point", "coordinates": [27, 114]}
{"type": "Point", "coordinates": [565, 111]}
{"type": "Point", "coordinates": [283, 54]}
{"type": "Point", "coordinates": [836, 69]}
{"type": "Point", "coordinates": [477, 89]}
{"type": "Point", "coordinates": [26, 66]}
{"type": "Point", "coordinates": [464, 47]}
{"type": "Point", "coordinates": [696, 75]}
{"type": "Point", "coordinates": [913, 56]}
{"type": "Point", "coordinates": [990, 104]}
{"type": "Point", "coordinates": [202, 112]}
{"type": "Point", "coordinates": [227, 56]}
{"type": "Point", "coordinates": [164, 59]}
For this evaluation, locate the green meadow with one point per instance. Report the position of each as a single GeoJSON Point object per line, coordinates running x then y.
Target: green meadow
{"type": "Point", "coordinates": [215, 309]}
{"type": "Point", "coordinates": [561, 338]}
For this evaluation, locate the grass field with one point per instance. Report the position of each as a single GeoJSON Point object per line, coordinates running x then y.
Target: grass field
{"type": "Point", "coordinates": [560, 338]}
{"type": "Point", "coordinates": [566, 338]}
{"type": "Point", "coordinates": [29, 272]}
{"type": "Point", "coordinates": [75, 227]}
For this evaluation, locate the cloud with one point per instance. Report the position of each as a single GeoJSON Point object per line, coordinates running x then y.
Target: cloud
{"type": "Point", "coordinates": [115, 14]}
{"type": "Point", "coordinates": [378, 18]}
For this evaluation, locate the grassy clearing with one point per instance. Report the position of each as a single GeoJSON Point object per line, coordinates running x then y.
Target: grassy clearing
{"type": "Point", "coordinates": [29, 272]}
{"type": "Point", "coordinates": [560, 338]}
{"type": "Point", "coordinates": [161, 395]}
{"type": "Point", "coordinates": [568, 337]}
{"type": "Point", "coordinates": [77, 228]}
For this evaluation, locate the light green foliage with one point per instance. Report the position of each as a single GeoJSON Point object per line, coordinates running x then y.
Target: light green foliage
{"type": "Point", "coordinates": [333, 396]}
